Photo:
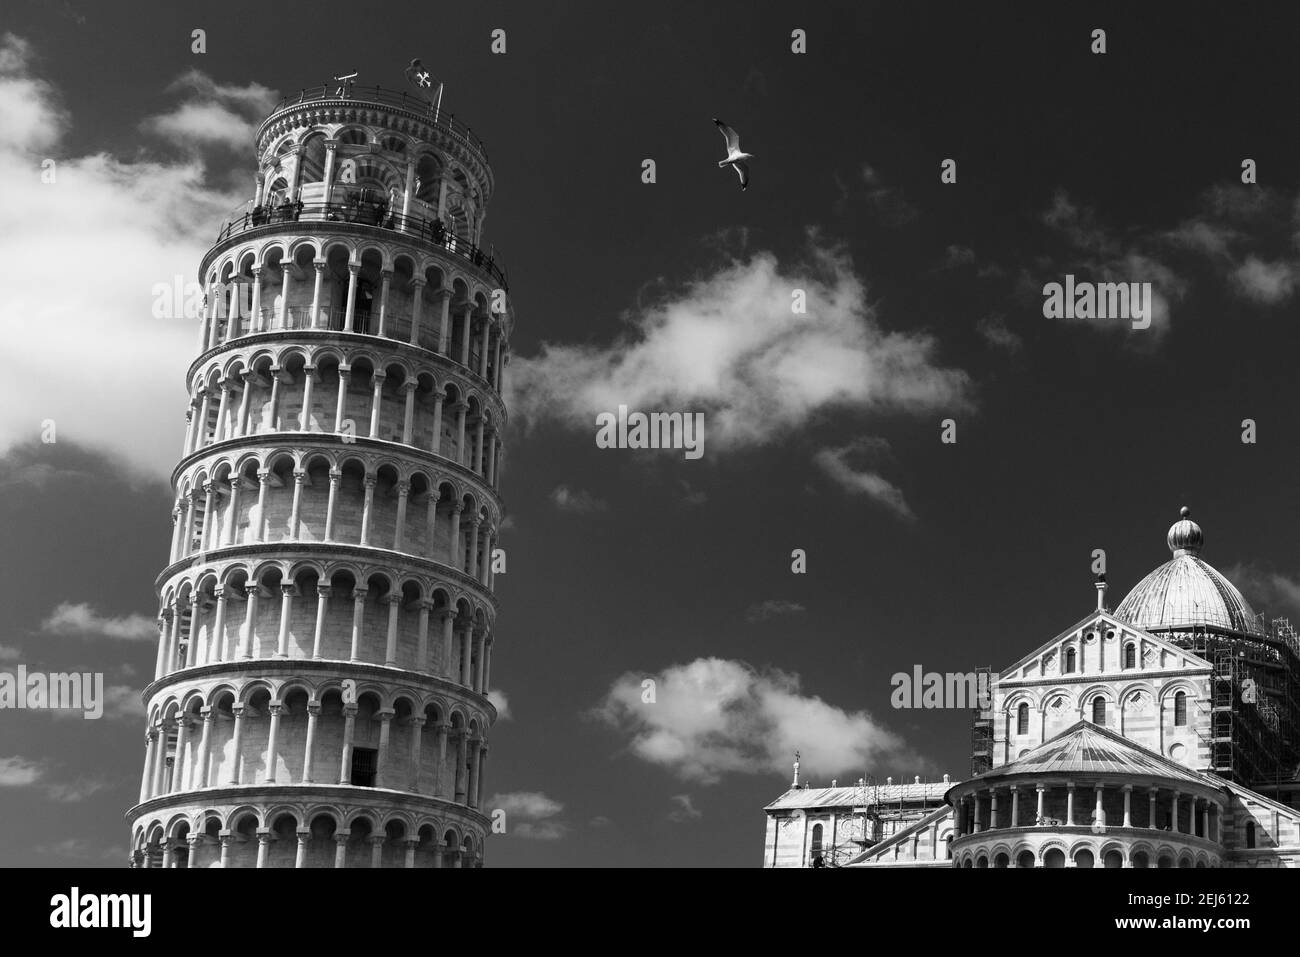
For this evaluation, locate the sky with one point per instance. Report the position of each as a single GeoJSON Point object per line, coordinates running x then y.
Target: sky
{"type": "Point", "coordinates": [824, 429]}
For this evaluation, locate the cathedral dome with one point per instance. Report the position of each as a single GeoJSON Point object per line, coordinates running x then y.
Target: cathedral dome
{"type": "Point", "coordinates": [1186, 591]}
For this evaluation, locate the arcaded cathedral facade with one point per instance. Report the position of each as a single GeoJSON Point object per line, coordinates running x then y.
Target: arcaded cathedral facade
{"type": "Point", "coordinates": [327, 615]}
{"type": "Point", "coordinates": [1160, 734]}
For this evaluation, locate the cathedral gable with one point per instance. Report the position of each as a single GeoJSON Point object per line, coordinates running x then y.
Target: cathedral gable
{"type": "Point", "coordinates": [1098, 645]}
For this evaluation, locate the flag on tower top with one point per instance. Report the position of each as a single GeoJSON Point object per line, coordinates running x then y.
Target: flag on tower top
{"type": "Point", "coordinates": [418, 75]}
{"type": "Point", "coordinates": [422, 78]}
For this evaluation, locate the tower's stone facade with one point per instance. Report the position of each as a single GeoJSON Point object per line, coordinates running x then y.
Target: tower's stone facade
{"type": "Point", "coordinates": [327, 610]}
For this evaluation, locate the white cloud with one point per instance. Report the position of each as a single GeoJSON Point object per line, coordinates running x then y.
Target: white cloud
{"type": "Point", "coordinates": [32, 119]}
{"type": "Point", "coordinates": [771, 608]}
{"type": "Point", "coordinates": [995, 332]}
{"type": "Point", "coordinates": [72, 791]}
{"type": "Point", "coordinates": [857, 480]}
{"type": "Point", "coordinates": [501, 703]}
{"type": "Point", "coordinates": [1266, 588]}
{"type": "Point", "coordinates": [22, 471]}
{"type": "Point", "coordinates": [1239, 235]}
{"type": "Point", "coordinates": [80, 619]}
{"type": "Point", "coordinates": [1265, 282]}
{"type": "Point", "coordinates": [713, 717]}
{"type": "Point", "coordinates": [79, 849]}
{"type": "Point", "coordinates": [192, 123]}
{"type": "Point", "coordinates": [122, 703]}
{"type": "Point", "coordinates": [684, 809]}
{"type": "Point", "coordinates": [730, 346]}
{"type": "Point", "coordinates": [957, 255]}
{"type": "Point", "coordinates": [90, 247]}
{"type": "Point", "coordinates": [531, 814]}
{"type": "Point", "coordinates": [690, 495]}
{"type": "Point", "coordinates": [19, 772]}
{"type": "Point", "coordinates": [15, 52]}
{"type": "Point", "coordinates": [577, 500]}
{"type": "Point", "coordinates": [1209, 239]}
{"type": "Point", "coordinates": [885, 203]}
{"type": "Point", "coordinates": [216, 114]}
{"type": "Point", "coordinates": [253, 97]}
{"type": "Point", "coordinates": [529, 804]}
{"type": "Point", "coordinates": [1097, 254]}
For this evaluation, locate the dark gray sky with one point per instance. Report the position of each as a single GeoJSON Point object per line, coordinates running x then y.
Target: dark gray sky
{"type": "Point", "coordinates": [1071, 436]}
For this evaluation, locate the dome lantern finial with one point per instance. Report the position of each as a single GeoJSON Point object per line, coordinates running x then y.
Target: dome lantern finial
{"type": "Point", "coordinates": [1185, 536]}
{"type": "Point", "coordinates": [1187, 592]}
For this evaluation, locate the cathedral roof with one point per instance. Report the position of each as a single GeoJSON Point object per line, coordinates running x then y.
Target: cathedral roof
{"type": "Point", "coordinates": [1186, 591]}
{"type": "Point", "coordinates": [858, 796]}
{"type": "Point", "coordinates": [1085, 749]}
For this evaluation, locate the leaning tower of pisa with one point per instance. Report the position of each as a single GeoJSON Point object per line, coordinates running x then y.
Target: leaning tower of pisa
{"type": "Point", "coordinates": [327, 612]}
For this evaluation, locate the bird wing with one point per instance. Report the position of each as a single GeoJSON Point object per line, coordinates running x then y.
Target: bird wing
{"type": "Point", "coordinates": [742, 170]}
{"type": "Point", "coordinates": [730, 135]}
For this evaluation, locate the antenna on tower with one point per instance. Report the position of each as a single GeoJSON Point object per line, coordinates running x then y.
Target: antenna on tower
{"type": "Point", "coordinates": [345, 81]}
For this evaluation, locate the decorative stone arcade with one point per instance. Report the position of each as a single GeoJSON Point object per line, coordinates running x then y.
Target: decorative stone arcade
{"type": "Point", "coordinates": [1089, 798]}
{"type": "Point", "coordinates": [327, 614]}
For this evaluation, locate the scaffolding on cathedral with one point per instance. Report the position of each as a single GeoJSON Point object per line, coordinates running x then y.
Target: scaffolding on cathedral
{"type": "Point", "coordinates": [1254, 702]}
{"type": "Point", "coordinates": [981, 736]}
{"type": "Point", "coordinates": [875, 816]}
{"type": "Point", "coordinates": [1254, 696]}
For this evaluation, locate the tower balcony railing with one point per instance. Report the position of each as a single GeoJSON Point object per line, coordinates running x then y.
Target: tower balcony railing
{"type": "Point", "coordinates": [440, 119]}
{"type": "Point", "coordinates": [364, 322]}
{"type": "Point", "coordinates": [375, 214]}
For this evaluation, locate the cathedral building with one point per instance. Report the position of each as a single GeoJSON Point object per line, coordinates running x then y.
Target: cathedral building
{"type": "Point", "coordinates": [327, 615]}
{"type": "Point", "coordinates": [1162, 734]}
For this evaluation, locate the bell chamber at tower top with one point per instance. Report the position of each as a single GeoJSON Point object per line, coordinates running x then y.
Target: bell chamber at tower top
{"type": "Point", "coordinates": [371, 159]}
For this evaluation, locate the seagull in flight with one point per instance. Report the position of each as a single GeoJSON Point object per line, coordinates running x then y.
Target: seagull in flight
{"type": "Point", "coordinates": [735, 157]}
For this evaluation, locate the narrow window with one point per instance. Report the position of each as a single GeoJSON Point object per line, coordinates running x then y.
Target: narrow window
{"type": "Point", "coordinates": [1130, 656]}
{"type": "Point", "coordinates": [1250, 834]}
{"type": "Point", "coordinates": [1069, 661]}
{"type": "Point", "coordinates": [1180, 709]}
{"type": "Point", "coordinates": [1099, 710]}
{"type": "Point", "coordinates": [364, 763]}
{"type": "Point", "coordinates": [1022, 719]}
